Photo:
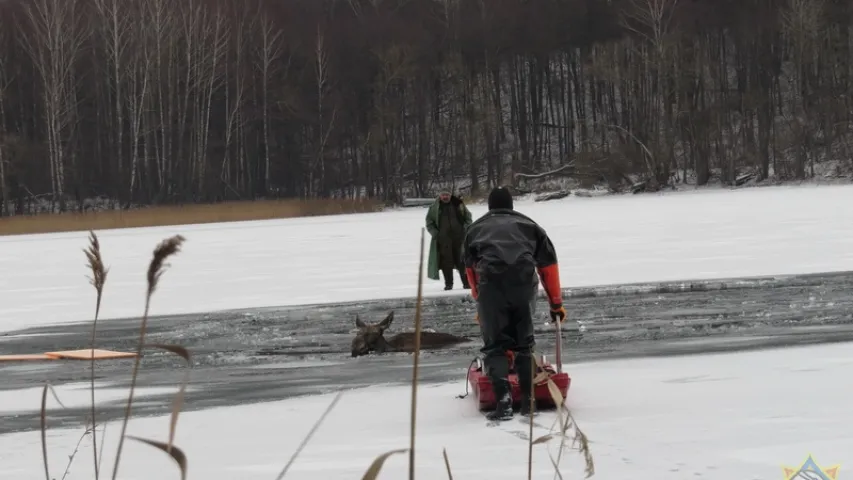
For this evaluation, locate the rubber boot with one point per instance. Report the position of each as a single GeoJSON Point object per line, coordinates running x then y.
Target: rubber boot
{"type": "Point", "coordinates": [497, 369]}
{"type": "Point", "coordinates": [503, 409]}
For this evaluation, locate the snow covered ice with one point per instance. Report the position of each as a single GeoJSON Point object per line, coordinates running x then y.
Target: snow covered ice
{"type": "Point", "coordinates": [725, 416]}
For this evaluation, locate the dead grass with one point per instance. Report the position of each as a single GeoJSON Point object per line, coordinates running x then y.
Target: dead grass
{"type": "Point", "coordinates": [156, 268]}
{"type": "Point", "coordinates": [565, 423]}
{"type": "Point", "coordinates": [97, 280]}
{"type": "Point", "coordinates": [182, 215]}
{"type": "Point", "coordinates": [416, 358]}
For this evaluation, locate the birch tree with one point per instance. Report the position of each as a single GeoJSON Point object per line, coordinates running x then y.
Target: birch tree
{"type": "Point", "coordinates": [801, 21]}
{"type": "Point", "coordinates": [324, 124]}
{"type": "Point", "coordinates": [204, 38]}
{"type": "Point", "coordinates": [163, 41]}
{"type": "Point", "coordinates": [138, 88]}
{"type": "Point", "coordinates": [268, 56]}
{"type": "Point", "coordinates": [115, 31]}
{"type": "Point", "coordinates": [652, 21]}
{"type": "Point", "coordinates": [54, 43]}
{"type": "Point", "coordinates": [235, 97]}
{"type": "Point", "coordinates": [4, 85]}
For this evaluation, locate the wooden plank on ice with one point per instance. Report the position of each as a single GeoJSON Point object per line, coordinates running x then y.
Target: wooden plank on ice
{"type": "Point", "coordinates": [86, 354]}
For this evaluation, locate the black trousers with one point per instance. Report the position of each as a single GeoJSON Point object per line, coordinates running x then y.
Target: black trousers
{"type": "Point", "coordinates": [506, 323]}
{"type": "Point", "coordinates": [450, 259]}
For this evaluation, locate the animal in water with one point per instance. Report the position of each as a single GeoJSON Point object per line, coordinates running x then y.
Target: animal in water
{"type": "Point", "coordinates": [371, 338]}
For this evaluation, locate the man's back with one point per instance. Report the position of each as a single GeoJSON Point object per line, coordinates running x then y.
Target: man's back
{"type": "Point", "coordinates": [508, 244]}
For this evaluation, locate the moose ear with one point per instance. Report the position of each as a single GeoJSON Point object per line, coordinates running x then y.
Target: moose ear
{"type": "Point", "coordinates": [387, 321]}
{"type": "Point", "coordinates": [358, 322]}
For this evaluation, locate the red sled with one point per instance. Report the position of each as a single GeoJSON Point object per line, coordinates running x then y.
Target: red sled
{"type": "Point", "coordinates": [481, 385]}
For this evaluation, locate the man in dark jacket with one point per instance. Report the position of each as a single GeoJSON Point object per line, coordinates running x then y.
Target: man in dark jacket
{"type": "Point", "coordinates": [503, 253]}
{"type": "Point", "coordinates": [446, 221]}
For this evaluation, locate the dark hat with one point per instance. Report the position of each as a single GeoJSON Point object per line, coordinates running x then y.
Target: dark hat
{"type": "Point", "coordinates": [500, 198]}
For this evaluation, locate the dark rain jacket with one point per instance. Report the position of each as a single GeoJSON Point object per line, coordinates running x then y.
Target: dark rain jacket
{"type": "Point", "coordinates": [508, 247]}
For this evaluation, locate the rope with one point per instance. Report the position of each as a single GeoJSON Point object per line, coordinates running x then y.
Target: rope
{"type": "Point", "coordinates": [467, 376]}
{"type": "Point", "coordinates": [544, 375]}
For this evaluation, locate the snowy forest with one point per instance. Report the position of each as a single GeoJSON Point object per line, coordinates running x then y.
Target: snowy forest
{"type": "Point", "coordinates": [159, 102]}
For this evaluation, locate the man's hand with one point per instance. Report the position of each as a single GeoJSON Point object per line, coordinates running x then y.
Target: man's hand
{"type": "Point", "coordinates": [558, 313]}
{"type": "Point", "coordinates": [477, 318]}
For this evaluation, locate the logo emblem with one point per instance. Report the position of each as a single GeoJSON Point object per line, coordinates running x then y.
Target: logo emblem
{"type": "Point", "coordinates": [810, 470]}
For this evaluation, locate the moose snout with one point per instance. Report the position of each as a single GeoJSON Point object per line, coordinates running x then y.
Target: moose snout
{"type": "Point", "coordinates": [358, 348]}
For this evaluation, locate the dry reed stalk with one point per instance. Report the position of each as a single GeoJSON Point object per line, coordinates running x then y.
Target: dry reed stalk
{"type": "Point", "coordinates": [101, 453]}
{"type": "Point", "coordinates": [176, 453]}
{"type": "Point", "coordinates": [97, 280]}
{"type": "Point", "coordinates": [156, 268]}
{"type": "Point", "coordinates": [310, 434]}
{"type": "Point", "coordinates": [43, 424]}
{"type": "Point", "coordinates": [376, 466]}
{"type": "Point", "coordinates": [76, 449]}
{"type": "Point", "coordinates": [565, 423]}
{"type": "Point", "coordinates": [169, 448]}
{"type": "Point", "coordinates": [447, 464]}
{"type": "Point", "coordinates": [178, 402]}
{"type": "Point", "coordinates": [532, 405]}
{"type": "Point", "coordinates": [415, 360]}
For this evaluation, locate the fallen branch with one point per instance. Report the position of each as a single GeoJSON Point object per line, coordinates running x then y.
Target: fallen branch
{"type": "Point", "coordinates": [538, 176]}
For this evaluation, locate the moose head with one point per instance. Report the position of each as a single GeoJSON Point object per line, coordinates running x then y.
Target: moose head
{"type": "Point", "coordinates": [370, 337]}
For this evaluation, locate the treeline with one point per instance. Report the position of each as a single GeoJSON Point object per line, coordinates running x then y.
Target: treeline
{"type": "Point", "coordinates": [158, 101]}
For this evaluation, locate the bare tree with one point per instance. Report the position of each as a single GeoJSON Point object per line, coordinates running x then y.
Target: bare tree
{"type": "Point", "coordinates": [652, 21]}
{"type": "Point", "coordinates": [268, 53]}
{"type": "Point", "coordinates": [201, 100]}
{"type": "Point", "coordinates": [801, 22]}
{"type": "Point", "coordinates": [235, 97]}
{"type": "Point", "coordinates": [161, 26]}
{"type": "Point", "coordinates": [204, 34]}
{"type": "Point", "coordinates": [324, 128]}
{"type": "Point", "coordinates": [115, 26]}
{"type": "Point", "coordinates": [4, 85]}
{"type": "Point", "coordinates": [138, 90]}
{"type": "Point", "coordinates": [58, 33]}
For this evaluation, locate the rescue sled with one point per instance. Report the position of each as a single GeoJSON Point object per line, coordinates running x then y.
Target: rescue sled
{"type": "Point", "coordinates": [481, 385]}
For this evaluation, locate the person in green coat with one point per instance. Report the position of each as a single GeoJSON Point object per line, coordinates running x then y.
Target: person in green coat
{"type": "Point", "coordinates": [446, 221]}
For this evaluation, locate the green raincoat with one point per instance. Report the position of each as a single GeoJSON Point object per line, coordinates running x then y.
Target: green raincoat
{"type": "Point", "coordinates": [432, 218]}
